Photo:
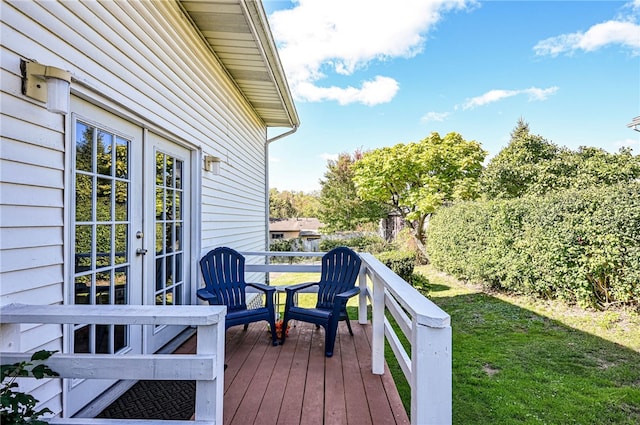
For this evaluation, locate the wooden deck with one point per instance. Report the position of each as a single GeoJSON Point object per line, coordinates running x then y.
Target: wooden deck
{"type": "Point", "coordinates": [296, 384]}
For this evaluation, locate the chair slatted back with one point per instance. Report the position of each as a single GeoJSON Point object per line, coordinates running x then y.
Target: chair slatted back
{"type": "Point", "coordinates": [223, 273]}
{"type": "Point", "coordinates": [340, 268]}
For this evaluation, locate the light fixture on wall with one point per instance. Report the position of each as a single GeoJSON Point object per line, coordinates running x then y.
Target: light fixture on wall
{"type": "Point", "coordinates": [212, 164]}
{"type": "Point", "coordinates": [47, 84]}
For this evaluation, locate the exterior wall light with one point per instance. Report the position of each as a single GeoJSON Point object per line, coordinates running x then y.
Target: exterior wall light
{"type": "Point", "coordinates": [47, 84]}
{"type": "Point", "coordinates": [212, 164]}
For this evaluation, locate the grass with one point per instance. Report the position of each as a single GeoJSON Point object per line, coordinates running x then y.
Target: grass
{"type": "Point", "coordinates": [518, 360]}
{"type": "Point", "coordinates": [304, 300]}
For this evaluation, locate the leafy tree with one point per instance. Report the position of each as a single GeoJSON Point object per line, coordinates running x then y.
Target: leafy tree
{"type": "Point", "coordinates": [289, 204]}
{"type": "Point", "coordinates": [280, 206]}
{"type": "Point", "coordinates": [531, 165]}
{"type": "Point", "coordinates": [306, 204]}
{"type": "Point", "coordinates": [416, 178]}
{"type": "Point", "coordinates": [517, 167]}
{"type": "Point", "coordinates": [340, 206]}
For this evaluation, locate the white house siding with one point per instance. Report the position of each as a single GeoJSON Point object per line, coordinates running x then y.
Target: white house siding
{"type": "Point", "coordinates": [145, 61]}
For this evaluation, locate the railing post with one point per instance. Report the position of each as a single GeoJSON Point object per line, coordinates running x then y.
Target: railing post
{"type": "Point", "coordinates": [431, 375]}
{"type": "Point", "coordinates": [377, 344]}
{"type": "Point", "coordinates": [209, 394]}
{"type": "Point", "coordinates": [362, 297]}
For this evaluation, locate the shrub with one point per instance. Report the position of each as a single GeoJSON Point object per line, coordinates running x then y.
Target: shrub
{"type": "Point", "coordinates": [401, 262]}
{"type": "Point", "coordinates": [581, 246]}
{"type": "Point", "coordinates": [281, 245]}
{"type": "Point", "coordinates": [362, 243]}
{"type": "Point", "coordinates": [420, 281]}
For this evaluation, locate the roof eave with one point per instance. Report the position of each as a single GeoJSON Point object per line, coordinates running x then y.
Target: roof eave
{"type": "Point", "coordinates": [258, 17]}
{"type": "Point", "coordinates": [258, 76]}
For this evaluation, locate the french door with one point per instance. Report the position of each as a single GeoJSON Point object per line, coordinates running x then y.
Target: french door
{"type": "Point", "coordinates": [130, 234]}
{"type": "Point", "coordinates": [168, 221]}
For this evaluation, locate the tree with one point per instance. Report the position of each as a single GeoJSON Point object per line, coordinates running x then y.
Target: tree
{"type": "Point", "coordinates": [290, 204]}
{"type": "Point", "coordinates": [306, 204]}
{"type": "Point", "coordinates": [340, 206]}
{"type": "Point", "coordinates": [280, 206]}
{"type": "Point", "coordinates": [517, 167]}
{"type": "Point", "coordinates": [414, 179]}
{"type": "Point", "coordinates": [531, 165]}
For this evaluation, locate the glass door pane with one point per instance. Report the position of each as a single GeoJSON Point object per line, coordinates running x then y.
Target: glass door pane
{"type": "Point", "coordinates": [169, 222]}
{"type": "Point", "coordinates": [102, 227]}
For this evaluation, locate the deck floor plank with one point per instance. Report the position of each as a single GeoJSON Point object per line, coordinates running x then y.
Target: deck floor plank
{"type": "Point", "coordinates": [314, 390]}
{"type": "Point", "coordinates": [381, 413]}
{"type": "Point", "coordinates": [296, 384]}
{"type": "Point", "coordinates": [248, 409]}
{"type": "Point", "coordinates": [354, 393]}
{"type": "Point", "coordinates": [239, 387]}
{"type": "Point", "coordinates": [335, 410]}
{"type": "Point", "coordinates": [275, 396]}
{"type": "Point", "coordinates": [291, 408]}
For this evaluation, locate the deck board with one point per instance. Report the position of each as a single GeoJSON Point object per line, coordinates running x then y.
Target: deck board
{"type": "Point", "coordinates": [296, 384]}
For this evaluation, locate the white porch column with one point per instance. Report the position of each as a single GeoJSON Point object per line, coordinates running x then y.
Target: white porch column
{"type": "Point", "coordinates": [210, 394]}
{"type": "Point", "coordinates": [431, 387]}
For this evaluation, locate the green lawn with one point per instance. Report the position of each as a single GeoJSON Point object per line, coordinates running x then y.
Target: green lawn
{"type": "Point", "coordinates": [522, 361]}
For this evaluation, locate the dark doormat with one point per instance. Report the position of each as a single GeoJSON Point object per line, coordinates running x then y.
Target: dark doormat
{"type": "Point", "coordinates": [154, 400]}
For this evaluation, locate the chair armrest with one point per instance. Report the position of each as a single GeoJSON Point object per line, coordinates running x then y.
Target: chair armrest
{"type": "Point", "coordinates": [340, 300]}
{"type": "Point", "coordinates": [299, 286]}
{"type": "Point", "coordinates": [205, 295]}
{"type": "Point", "coordinates": [348, 294]}
{"type": "Point", "coordinates": [262, 287]}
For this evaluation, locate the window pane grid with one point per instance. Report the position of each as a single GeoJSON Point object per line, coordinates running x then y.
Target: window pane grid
{"type": "Point", "coordinates": [101, 274]}
{"type": "Point", "coordinates": [169, 228]}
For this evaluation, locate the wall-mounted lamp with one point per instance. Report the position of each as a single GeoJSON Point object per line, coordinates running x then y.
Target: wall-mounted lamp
{"type": "Point", "coordinates": [212, 164]}
{"type": "Point", "coordinates": [47, 84]}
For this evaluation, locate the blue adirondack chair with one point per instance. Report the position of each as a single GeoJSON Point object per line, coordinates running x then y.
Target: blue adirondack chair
{"type": "Point", "coordinates": [223, 273]}
{"type": "Point", "coordinates": [340, 268]}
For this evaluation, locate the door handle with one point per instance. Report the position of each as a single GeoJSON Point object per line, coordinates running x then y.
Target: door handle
{"type": "Point", "coordinates": [141, 251]}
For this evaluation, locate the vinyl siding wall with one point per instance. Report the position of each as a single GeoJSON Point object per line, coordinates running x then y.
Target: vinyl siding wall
{"type": "Point", "coordinates": [144, 61]}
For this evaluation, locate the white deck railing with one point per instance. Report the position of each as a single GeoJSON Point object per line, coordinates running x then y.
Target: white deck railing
{"type": "Point", "coordinates": [427, 367]}
{"type": "Point", "coordinates": [206, 367]}
{"type": "Point", "coordinates": [426, 326]}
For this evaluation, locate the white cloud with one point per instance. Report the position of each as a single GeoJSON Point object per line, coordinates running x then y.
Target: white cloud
{"type": "Point", "coordinates": [492, 96]}
{"type": "Point", "coordinates": [274, 159]}
{"type": "Point", "coordinates": [624, 33]}
{"type": "Point", "coordinates": [376, 91]}
{"type": "Point", "coordinates": [434, 116]}
{"type": "Point", "coordinates": [329, 156]}
{"type": "Point", "coordinates": [321, 37]}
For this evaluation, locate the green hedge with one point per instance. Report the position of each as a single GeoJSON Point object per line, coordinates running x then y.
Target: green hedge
{"type": "Point", "coordinates": [372, 244]}
{"type": "Point", "coordinates": [581, 246]}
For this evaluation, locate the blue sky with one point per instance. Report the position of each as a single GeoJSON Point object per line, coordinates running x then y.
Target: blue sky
{"type": "Point", "coordinates": [368, 73]}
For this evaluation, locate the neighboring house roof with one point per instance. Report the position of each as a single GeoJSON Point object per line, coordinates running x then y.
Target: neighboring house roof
{"type": "Point", "coordinates": [239, 36]}
{"type": "Point", "coordinates": [635, 124]}
{"type": "Point", "coordinates": [295, 225]}
{"type": "Point", "coordinates": [308, 233]}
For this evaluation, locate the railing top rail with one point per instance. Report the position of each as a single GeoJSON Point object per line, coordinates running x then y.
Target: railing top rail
{"type": "Point", "coordinates": [419, 307]}
{"type": "Point", "coordinates": [282, 253]}
{"type": "Point", "coordinates": [121, 314]}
